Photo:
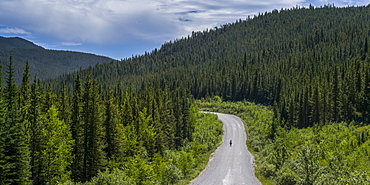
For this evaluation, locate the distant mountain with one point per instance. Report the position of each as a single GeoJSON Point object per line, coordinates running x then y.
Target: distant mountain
{"type": "Point", "coordinates": [44, 63]}
{"type": "Point", "coordinates": [17, 42]}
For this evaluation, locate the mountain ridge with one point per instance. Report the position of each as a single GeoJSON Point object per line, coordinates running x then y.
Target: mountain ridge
{"type": "Point", "coordinates": [18, 42]}
{"type": "Point", "coordinates": [44, 63]}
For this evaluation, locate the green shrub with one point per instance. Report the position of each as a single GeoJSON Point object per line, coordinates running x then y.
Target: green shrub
{"type": "Point", "coordinates": [268, 170]}
{"type": "Point", "coordinates": [115, 176]}
{"type": "Point", "coordinates": [286, 176]}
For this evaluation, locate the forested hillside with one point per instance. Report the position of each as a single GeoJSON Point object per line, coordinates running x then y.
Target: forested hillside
{"type": "Point", "coordinates": [44, 63]}
{"type": "Point", "coordinates": [312, 64]}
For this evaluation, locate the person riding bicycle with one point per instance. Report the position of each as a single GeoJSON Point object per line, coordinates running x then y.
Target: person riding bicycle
{"type": "Point", "coordinates": [231, 142]}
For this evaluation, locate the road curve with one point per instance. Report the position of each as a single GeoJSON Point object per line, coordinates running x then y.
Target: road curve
{"type": "Point", "coordinates": [229, 165]}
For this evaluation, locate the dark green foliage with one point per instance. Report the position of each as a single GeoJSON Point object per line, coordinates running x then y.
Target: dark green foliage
{"type": "Point", "coordinates": [94, 157]}
{"type": "Point", "coordinates": [316, 69]}
{"type": "Point", "coordinates": [17, 42]}
{"type": "Point", "coordinates": [15, 164]}
{"type": "Point", "coordinates": [111, 128]}
{"type": "Point", "coordinates": [77, 131]}
{"type": "Point", "coordinates": [2, 130]}
{"type": "Point", "coordinates": [99, 130]}
{"type": "Point", "coordinates": [35, 125]}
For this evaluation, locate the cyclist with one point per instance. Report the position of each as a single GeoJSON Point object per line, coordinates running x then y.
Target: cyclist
{"type": "Point", "coordinates": [231, 142]}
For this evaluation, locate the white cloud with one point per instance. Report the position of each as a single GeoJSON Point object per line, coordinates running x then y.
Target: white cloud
{"type": "Point", "coordinates": [13, 31]}
{"type": "Point", "coordinates": [70, 44]}
{"type": "Point", "coordinates": [91, 21]}
{"type": "Point", "coordinates": [199, 15]}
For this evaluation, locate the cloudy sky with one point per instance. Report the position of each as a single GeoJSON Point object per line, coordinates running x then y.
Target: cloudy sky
{"type": "Point", "coordinates": [122, 28]}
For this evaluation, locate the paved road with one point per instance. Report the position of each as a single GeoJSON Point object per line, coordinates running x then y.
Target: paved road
{"type": "Point", "coordinates": [229, 165]}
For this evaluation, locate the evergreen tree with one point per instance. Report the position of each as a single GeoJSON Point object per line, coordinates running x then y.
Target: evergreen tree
{"type": "Point", "coordinates": [147, 134]}
{"type": "Point", "coordinates": [35, 135]}
{"type": "Point", "coordinates": [16, 163]}
{"type": "Point", "coordinates": [57, 149]}
{"type": "Point", "coordinates": [24, 97]}
{"type": "Point", "coordinates": [77, 132]}
{"type": "Point", "coordinates": [2, 130]}
{"type": "Point", "coordinates": [94, 158]}
{"type": "Point", "coordinates": [64, 105]}
{"type": "Point", "coordinates": [111, 127]}
{"type": "Point", "coordinates": [337, 104]}
{"type": "Point", "coordinates": [49, 99]}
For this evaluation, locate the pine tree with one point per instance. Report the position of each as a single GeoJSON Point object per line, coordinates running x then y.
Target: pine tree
{"type": "Point", "coordinates": [35, 134]}
{"type": "Point", "coordinates": [315, 119]}
{"type": "Point", "coordinates": [57, 149]}
{"type": "Point", "coordinates": [94, 158]}
{"type": "Point", "coordinates": [49, 99]}
{"type": "Point", "coordinates": [15, 166]}
{"type": "Point", "coordinates": [64, 105]}
{"type": "Point", "coordinates": [77, 132]}
{"type": "Point", "coordinates": [24, 96]}
{"type": "Point", "coordinates": [127, 111]}
{"type": "Point", "coordinates": [111, 127]}
{"type": "Point", "coordinates": [2, 130]}
{"type": "Point", "coordinates": [337, 103]}
{"type": "Point", "coordinates": [147, 134]}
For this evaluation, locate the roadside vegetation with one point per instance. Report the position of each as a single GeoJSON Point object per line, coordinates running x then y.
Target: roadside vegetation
{"type": "Point", "coordinates": [175, 166]}
{"type": "Point", "coordinates": [336, 153]}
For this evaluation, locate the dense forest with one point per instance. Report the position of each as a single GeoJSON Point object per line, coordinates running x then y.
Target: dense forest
{"type": "Point", "coordinates": [44, 63]}
{"type": "Point", "coordinates": [131, 117]}
{"type": "Point", "coordinates": [155, 136]}
{"type": "Point", "coordinates": [312, 64]}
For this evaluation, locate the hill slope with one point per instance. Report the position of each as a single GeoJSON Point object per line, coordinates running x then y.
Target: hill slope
{"type": "Point", "coordinates": [16, 42]}
{"type": "Point", "coordinates": [311, 63]}
{"type": "Point", "coordinates": [44, 63]}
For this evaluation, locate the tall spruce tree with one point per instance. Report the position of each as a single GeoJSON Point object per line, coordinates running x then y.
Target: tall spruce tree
{"type": "Point", "coordinates": [64, 105]}
{"type": "Point", "coordinates": [94, 158]}
{"type": "Point", "coordinates": [24, 96]}
{"type": "Point", "coordinates": [16, 163]}
{"type": "Point", "coordinates": [57, 149]}
{"type": "Point", "coordinates": [34, 131]}
{"type": "Point", "coordinates": [77, 132]}
{"type": "Point", "coordinates": [2, 130]}
{"type": "Point", "coordinates": [111, 127]}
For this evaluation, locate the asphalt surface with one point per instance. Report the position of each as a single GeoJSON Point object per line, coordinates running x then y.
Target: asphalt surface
{"type": "Point", "coordinates": [229, 165]}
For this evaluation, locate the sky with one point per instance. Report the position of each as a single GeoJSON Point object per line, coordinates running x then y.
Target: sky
{"type": "Point", "coordinates": [123, 28]}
